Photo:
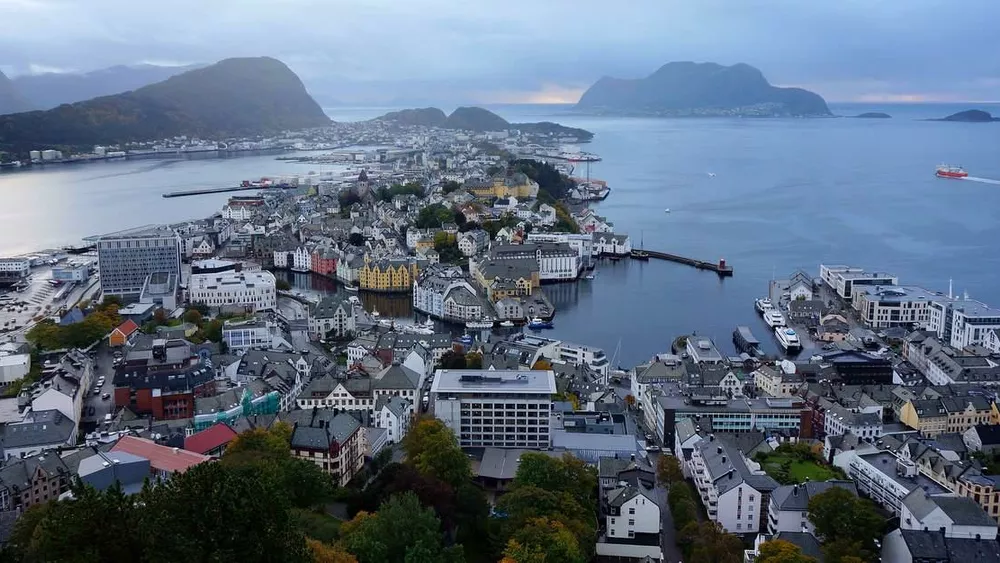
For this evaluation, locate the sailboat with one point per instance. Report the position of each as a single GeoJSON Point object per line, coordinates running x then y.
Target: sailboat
{"type": "Point", "coordinates": [640, 254]}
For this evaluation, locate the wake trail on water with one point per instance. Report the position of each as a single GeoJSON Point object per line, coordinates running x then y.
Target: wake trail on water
{"type": "Point", "coordinates": [141, 170]}
{"type": "Point", "coordinates": [982, 180]}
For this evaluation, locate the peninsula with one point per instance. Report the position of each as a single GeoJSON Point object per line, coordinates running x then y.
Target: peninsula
{"type": "Point", "coordinates": [242, 96]}
{"type": "Point", "coordinates": [478, 120]}
{"type": "Point", "coordinates": [682, 89]}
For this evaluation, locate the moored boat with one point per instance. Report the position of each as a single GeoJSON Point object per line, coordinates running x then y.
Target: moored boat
{"type": "Point", "coordinates": [763, 305]}
{"type": "Point", "coordinates": [774, 318]}
{"type": "Point", "coordinates": [538, 324]}
{"type": "Point", "coordinates": [788, 339]}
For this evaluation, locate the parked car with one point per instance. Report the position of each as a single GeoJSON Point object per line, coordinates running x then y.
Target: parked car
{"type": "Point", "coordinates": [105, 396]}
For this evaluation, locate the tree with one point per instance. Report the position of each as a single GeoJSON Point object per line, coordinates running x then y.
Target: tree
{"type": "Point", "coordinates": [668, 470]}
{"type": "Point", "coordinates": [213, 330]}
{"type": "Point", "coordinates": [845, 523]}
{"type": "Point", "coordinates": [450, 186]}
{"type": "Point", "coordinates": [630, 401]}
{"type": "Point", "coordinates": [356, 239]}
{"type": "Point", "coordinates": [542, 364]}
{"type": "Point", "coordinates": [282, 285]}
{"type": "Point", "coordinates": [401, 530]}
{"type": "Point", "coordinates": [192, 316]}
{"type": "Point", "coordinates": [567, 474]}
{"type": "Point", "coordinates": [708, 542]}
{"type": "Point", "coordinates": [452, 360]}
{"type": "Point", "coordinates": [160, 317]}
{"type": "Point", "coordinates": [432, 449]}
{"type": "Point", "coordinates": [459, 218]}
{"type": "Point", "coordinates": [473, 360]}
{"type": "Point", "coordinates": [550, 538]}
{"type": "Point", "coordinates": [433, 216]}
{"type": "Point", "coordinates": [781, 551]}
{"type": "Point", "coordinates": [323, 553]}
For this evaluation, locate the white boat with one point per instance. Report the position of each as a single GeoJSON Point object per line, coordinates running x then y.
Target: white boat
{"type": "Point", "coordinates": [667, 210]}
{"type": "Point", "coordinates": [478, 325]}
{"type": "Point", "coordinates": [375, 313]}
{"type": "Point", "coordinates": [351, 288]}
{"type": "Point", "coordinates": [787, 338]}
{"type": "Point", "coordinates": [507, 324]}
{"type": "Point", "coordinates": [774, 318]}
{"type": "Point", "coordinates": [711, 174]}
{"type": "Point", "coordinates": [763, 305]}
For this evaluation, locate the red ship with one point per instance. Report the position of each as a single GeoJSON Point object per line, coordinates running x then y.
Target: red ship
{"type": "Point", "coordinates": [945, 171]}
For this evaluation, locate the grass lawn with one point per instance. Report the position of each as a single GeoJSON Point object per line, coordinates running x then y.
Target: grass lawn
{"type": "Point", "coordinates": [788, 469]}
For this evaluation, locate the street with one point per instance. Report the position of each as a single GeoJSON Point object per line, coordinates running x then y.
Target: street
{"type": "Point", "coordinates": [94, 405]}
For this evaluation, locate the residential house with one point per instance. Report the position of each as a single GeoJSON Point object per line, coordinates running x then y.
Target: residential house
{"type": "Point", "coordinates": [388, 275]}
{"type": "Point", "coordinates": [948, 414]}
{"type": "Point", "coordinates": [394, 415]}
{"type": "Point", "coordinates": [211, 441]}
{"type": "Point", "coordinates": [983, 438]}
{"type": "Point", "coordinates": [31, 480]}
{"type": "Point", "coordinates": [610, 244]}
{"type": "Point", "coordinates": [121, 335]}
{"type": "Point", "coordinates": [913, 546]}
{"type": "Point", "coordinates": [788, 510]}
{"type": "Point", "coordinates": [332, 316]}
{"type": "Point", "coordinates": [334, 442]}
{"type": "Point", "coordinates": [38, 432]}
{"type": "Point", "coordinates": [632, 521]}
{"type": "Point", "coordinates": [951, 515]}
{"type": "Point", "coordinates": [473, 242]}
{"type": "Point", "coordinates": [733, 489]}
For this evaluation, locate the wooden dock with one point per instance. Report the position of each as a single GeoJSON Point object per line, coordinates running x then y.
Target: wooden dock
{"type": "Point", "coordinates": [721, 268]}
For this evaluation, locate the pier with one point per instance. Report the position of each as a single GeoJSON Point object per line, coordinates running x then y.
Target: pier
{"type": "Point", "coordinates": [212, 191]}
{"type": "Point", "coordinates": [724, 270]}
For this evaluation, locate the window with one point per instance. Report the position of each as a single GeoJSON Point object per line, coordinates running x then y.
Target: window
{"type": "Point", "coordinates": [631, 511]}
{"type": "Point", "coordinates": [631, 533]}
{"type": "Point", "coordinates": [631, 521]}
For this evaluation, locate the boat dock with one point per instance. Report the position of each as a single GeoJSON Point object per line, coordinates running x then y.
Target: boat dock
{"type": "Point", "coordinates": [746, 342]}
{"type": "Point", "coordinates": [724, 270]}
{"type": "Point", "coordinates": [204, 191]}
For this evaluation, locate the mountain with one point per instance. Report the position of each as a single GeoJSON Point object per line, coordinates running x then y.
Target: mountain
{"type": "Point", "coordinates": [49, 90]}
{"type": "Point", "coordinates": [478, 120]}
{"type": "Point", "coordinates": [700, 89]}
{"type": "Point", "coordinates": [970, 116]}
{"type": "Point", "coordinates": [234, 97]}
{"type": "Point", "coordinates": [11, 100]}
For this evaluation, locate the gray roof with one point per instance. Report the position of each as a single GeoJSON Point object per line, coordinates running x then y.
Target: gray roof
{"type": "Point", "coordinates": [807, 542]}
{"type": "Point", "coordinates": [328, 306]}
{"type": "Point", "coordinates": [500, 463]}
{"type": "Point", "coordinates": [318, 429]}
{"type": "Point", "coordinates": [396, 405]}
{"type": "Point", "coordinates": [17, 473]}
{"type": "Point", "coordinates": [103, 469]}
{"type": "Point", "coordinates": [534, 382]}
{"type": "Point", "coordinates": [611, 467]}
{"type": "Point", "coordinates": [659, 371]}
{"type": "Point", "coordinates": [621, 495]}
{"type": "Point", "coordinates": [796, 497]}
{"type": "Point", "coordinates": [397, 376]}
{"type": "Point", "coordinates": [40, 428]}
{"type": "Point", "coordinates": [925, 545]}
{"type": "Point", "coordinates": [727, 468]}
{"type": "Point", "coordinates": [963, 511]}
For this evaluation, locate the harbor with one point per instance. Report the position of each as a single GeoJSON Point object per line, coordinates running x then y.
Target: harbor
{"type": "Point", "coordinates": [721, 268]}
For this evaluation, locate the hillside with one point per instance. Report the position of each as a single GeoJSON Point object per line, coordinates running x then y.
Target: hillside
{"type": "Point", "coordinates": [700, 89]}
{"type": "Point", "coordinates": [46, 91]}
{"type": "Point", "coordinates": [234, 97]}
{"type": "Point", "coordinates": [11, 100]}
{"type": "Point", "coordinates": [479, 120]}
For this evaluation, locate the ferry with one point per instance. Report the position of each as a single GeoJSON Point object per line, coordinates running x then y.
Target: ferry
{"type": "Point", "coordinates": [947, 171]}
{"type": "Point", "coordinates": [788, 339]}
{"type": "Point", "coordinates": [774, 318]}
{"type": "Point", "coordinates": [479, 325]}
{"type": "Point", "coordinates": [538, 324]}
{"type": "Point", "coordinates": [763, 305]}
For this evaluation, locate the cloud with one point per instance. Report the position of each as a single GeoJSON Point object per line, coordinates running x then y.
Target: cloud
{"type": "Point", "coordinates": [369, 50]}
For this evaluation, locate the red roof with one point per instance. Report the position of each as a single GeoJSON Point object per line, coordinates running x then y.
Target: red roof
{"type": "Point", "coordinates": [210, 438]}
{"type": "Point", "coordinates": [161, 458]}
{"type": "Point", "coordinates": [127, 328]}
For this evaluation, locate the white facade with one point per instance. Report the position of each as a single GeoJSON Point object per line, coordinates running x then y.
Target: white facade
{"type": "Point", "coordinates": [395, 416]}
{"type": "Point", "coordinates": [253, 334]}
{"type": "Point", "coordinates": [509, 409]}
{"type": "Point", "coordinates": [253, 290]}
{"type": "Point", "coordinates": [930, 512]}
{"type": "Point", "coordinates": [889, 306]}
{"type": "Point", "coordinates": [583, 243]}
{"type": "Point", "coordinates": [239, 212]}
{"type": "Point", "coordinates": [638, 515]}
{"type": "Point", "coordinates": [14, 267]}
{"type": "Point", "coordinates": [555, 262]}
{"type": "Point", "coordinates": [612, 244]}
{"type": "Point", "coordinates": [845, 280]}
{"type": "Point", "coordinates": [13, 366]}
{"type": "Point", "coordinates": [331, 315]}
{"type": "Point", "coordinates": [302, 260]}
{"type": "Point", "coordinates": [723, 475]}
{"type": "Point", "coordinates": [839, 420]}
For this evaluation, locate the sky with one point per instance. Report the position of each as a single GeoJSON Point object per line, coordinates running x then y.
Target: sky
{"type": "Point", "coordinates": [388, 52]}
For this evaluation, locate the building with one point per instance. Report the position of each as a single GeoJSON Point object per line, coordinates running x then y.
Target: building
{"type": "Point", "coordinates": [734, 490]}
{"type": "Point", "coordinates": [37, 432]}
{"type": "Point", "coordinates": [391, 275]}
{"type": "Point", "coordinates": [334, 442]}
{"type": "Point", "coordinates": [912, 546]}
{"type": "Point", "coordinates": [36, 479]}
{"type": "Point", "coordinates": [702, 350]}
{"type": "Point", "coordinates": [160, 290]}
{"type": "Point", "coordinates": [211, 441]}
{"type": "Point", "coordinates": [164, 461]}
{"type": "Point", "coordinates": [15, 363]}
{"type": "Point", "coordinates": [951, 515]}
{"type": "Point", "coordinates": [70, 273]}
{"type": "Point", "coordinates": [885, 477]}
{"type": "Point", "coordinates": [259, 333]}
{"type": "Point", "coordinates": [845, 280]}
{"type": "Point", "coordinates": [893, 305]}
{"type": "Point", "coordinates": [516, 185]}
{"type": "Point", "coordinates": [610, 244]}
{"type": "Point", "coordinates": [332, 316]}
{"type": "Point", "coordinates": [443, 292]}
{"type": "Point", "coordinates": [839, 420]}
{"type": "Point", "coordinates": [788, 510]}
{"type": "Point", "coordinates": [105, 469]}
{"type": "Point", "coordinates": [631, 523]}
{"type": "Point", "coordinates": [943, 364]}
{"type": "Point", "coordinates": [497, 408]}
{"type": "Point", "coordinates": [554, 261]}
{"type": "Point", "coordinates": [962, 322]}
{"type": "Point", "coordinates": [983, 438]}
{"type": "Point", "coordinates": [162, 378]}
{"type": "Point", "coordinates": [716, 412]}
{"type": "Point", "coordinates": [473, 242]}
{"type": "Point", "coordinates": [394, 415]}
{"type": "Point", "coordinates": [948, 414]}
{"type": "Point", "coordinates": [852, 367]}
{"type": "Point", "coordinates": [250, 291]}
{"type": "Point", "coordinates": [14, 269]}
{"type": "Point", "coordinates": [127, 258]}
{"type": "Point", "coordinates": [582, 243]}
{"type": "Point", "coordinates": [776, 382]}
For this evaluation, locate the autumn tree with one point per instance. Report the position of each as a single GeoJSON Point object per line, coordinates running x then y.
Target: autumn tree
{"type": "Point", "coordinates": [324, 553]}
{"type": "Point", "coordinates": [668, 470]}
{"type": "Point", "coordinates": [630, 401]}
{"type": "Point", "coordinates": [432, 449]}
{"type": "Point", "coordinates": [401, 530]}
{"type": "Point", "coordinates": [847, 525]}
{"type": "Point", "coordinates": [473, 360]}
{"type": "Point", "coordinates": [781, 551]}
{"type": "Point", "coordinates": [548, 538]}
{"type": "Point", "coordinates": [708, 542]}
{"type": "Point", "coordinates": [192, 316]}
{"type": "Point", "coordinates": [542, 364]}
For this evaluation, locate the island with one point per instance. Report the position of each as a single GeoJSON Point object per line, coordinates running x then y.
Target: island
{"type": "Point", "coordinates": [234, 97]}
{"type": "Point", "coordinates": [687, 89]}
{"type": "Point", "coordinates": [872, 115]}
{"type": "Point", "coordinates": [479, 120]}
{"type": "Point", "coordinates": [970, 116]}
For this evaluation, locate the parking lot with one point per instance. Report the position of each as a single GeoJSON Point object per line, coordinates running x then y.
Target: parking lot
{"type": "Point", "coordinates": [95, 405]}
{"type": "Point", "coordinates": [21, 308]}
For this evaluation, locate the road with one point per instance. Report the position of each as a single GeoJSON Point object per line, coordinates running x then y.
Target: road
{"type": "Point", "coordinates": [94, 405]}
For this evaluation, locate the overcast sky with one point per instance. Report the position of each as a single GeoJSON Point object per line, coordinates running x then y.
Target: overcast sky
{"type": "Point", "coordinates": [381, 51]}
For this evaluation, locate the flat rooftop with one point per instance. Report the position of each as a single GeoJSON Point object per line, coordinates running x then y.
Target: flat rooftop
{"type": "Point", "coordinates": [145, 231]}
{"type": "Point", "coordinates": [900, 293]}
{"type": "Point", "coordinates": [536, 382]}
{"type": "Point", "coordinates": [885, 463]}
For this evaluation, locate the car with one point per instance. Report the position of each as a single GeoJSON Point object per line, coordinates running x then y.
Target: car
{"type": "Point", "coordinates": [97, 390]}
{"type": "Point", "coordinates": [652, 448]}
{"type": "Point", "coordinates": [105, 396]}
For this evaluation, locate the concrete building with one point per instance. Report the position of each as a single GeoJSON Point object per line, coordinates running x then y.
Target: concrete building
{"type": "Point", "coordinates": [127, 258]}
{"type": "Point", "coordinates": [631, 523]}
{"type": "Point", "coordinates": [773, 382]}
{"type": "Point", "coordinates": [14, 363]}
{"type": "Point", "coordinates": [14, 269]}
{"type": "Point", "coordinates": [894, 305]}
{"type": "Point", "coordinates": [394, 415]}
{"type": "Point", "coordinates": [473, 242]}
{"type": "Point", "coordinates": [610, 244]}
{"type": "Point", "coordinates": [259, 333]}
{"type": "Point", "coordinates": [788, 510]}
{"type": "Point", "coordinates": [702, 350]}
{"type": "Point", "coordinates": [555, 262]}
{"type": "Point", "coordinates": [250, 291]}
{"type": "Point", "coordinates": [332, 315]}
{"type": "Point", "coordinates": [845, 280]}
{"type": "Point", "coordinates": [962, 322]}
{"type": "Point", "coordinates": [582, 243]}
{"type": "Point", "coordinates": [38, 432]}
{"type": "Point", "coordinates": [839, 420]}
{"type": "Point", "coordinates": [885, 477]}
{"type": "Point", "coordinates": [497, 408]}
{"type": "Point", "coordinates": [734, 490]}
{"type": "Point", "coordinates": [952, 515]}
{"type": "Point", "coordinates": [951, 414]}
{"type": "Point", "coordinates": [443, 292]}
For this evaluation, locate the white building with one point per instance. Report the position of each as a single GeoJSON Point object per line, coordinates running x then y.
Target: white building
{"type": "Point", "coordinates": [497, 408]}
{"type": "Point", "coordinates": [845, 280]}
{"type": "Point", "coordinates": [839, 420]}
{"type": "Point", "coordinates": [954, 516]}
{"type": "Point", "coordinates": [332, 314]}
{"type": "Point", "coordinates": [593, 357]}
{"type": "Point", "coordinates": [772, 382]}
{"type": "Point", "coordinates": [886, 478]}
{"type": "Point", "coordinates": [14, 268]}
{"type": "Point", "coordinates": [788, 508]}
{"type": "Point", "coordinates": [302, 260]}
{"type": "Point", "coordinates": [255, 291]}
{"type": "Point", "coordinates": [444, 293]}
{"type": "Point", "coordinates": [630, 514]}
{"type": "Point", "coordinates": [393, 414]}
{"type": "Point", "coordinates": [894, 305]}
{"type": "Point", "coordinates": [582, 243]}
{"type": "Point", "coordinates": [962, 322]}
{"type": "Point", "coordinates": [14, 363]}
{"type": "Point", "coordinates": [610, 244]}
{"type": "Point", "coordinates": [256, 333]}
{"type": "Point", "coordinates": [732, 488]}
{"type": "Point", "coordinates": [473, 242]}
{"type": "Point", "coordinates": [556, 262]}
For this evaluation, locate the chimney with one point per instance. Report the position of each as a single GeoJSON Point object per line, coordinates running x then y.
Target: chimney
{"type": "Point", "coordinates": [718, 450]}
{"type": "Point", "coordinates": [723, 459]}
{"type": "Point", "coordinates": [795, 490]}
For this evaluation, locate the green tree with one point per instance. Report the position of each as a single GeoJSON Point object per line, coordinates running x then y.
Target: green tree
{"type": "Point", "coordinates": [708, 542]}
{"type": "Point", "coordinates": [356, 239]}
{"type": "Point", "coordinates": [845, 523]}
{"type": "Point", "coordinates": [668, 470]}
{"type": "Point", "coordinates": [192, 316]}
{"type": "Point", "coordinates": [401, 530]}
{"type": "Point", "coordinates": [568, 474]}
{"type": "Point", "coordinates": [432, 449]}
{"type": "Point", "coordinates": [474, 360]}
{"type": "Point", "coordinates": [433, 216]}
{"type": "Point", "coordinates": [547, 537]}
{"type": "Point", "coordinates": [452, 360]}
{"type": "Point", "coordinates": [459, 218]}
{"type": "Point", "coordinates": [781, 551]}
{"type": "Point", "coordinates": [450, 186]}
{"type": "Point", "coordinates": [282, 285]}
{"type": "Point", "coordinates": [213, 330]}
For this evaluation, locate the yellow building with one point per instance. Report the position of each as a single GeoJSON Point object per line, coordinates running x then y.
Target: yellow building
{"type": "Point", "coordinates": [948, 414]}
{"type": "Point", "coordinates": [516, 185]}
{"type": "Point", "coordinates": [392, 275]}
{"type": "Point", "coordinates": [506, 278]}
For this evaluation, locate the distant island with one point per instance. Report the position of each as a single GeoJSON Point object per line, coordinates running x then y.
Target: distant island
{"type": "Point", "coordinates": [683, 89]}
{"type": "Point", "coordinates": [232, 98]}
{"type": "Point", "coordinates": [479, 120]}
{"type": "Point", "coordinates": [969, 116]}
{"type": "Point", "coordinates": [873, 115]}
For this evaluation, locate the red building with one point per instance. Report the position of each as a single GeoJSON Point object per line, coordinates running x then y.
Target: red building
{"type": "Point", "coordinates": [324, 262]}
{"type": "Point", "coordinates": [162, 378]}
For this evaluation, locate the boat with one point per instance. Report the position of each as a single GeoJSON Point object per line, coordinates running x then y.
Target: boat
{"type": "Point", "coordinates": [948, 171]}
{"type": "Point", "coordinates": [763, 305]}
{"type": "Point", "coordinates": [375, 313]}
{"type": "Point", "coordinates": [479, 325]}
{"type": "Point", "coordinates": [466, 339]}
{"type": "Point", "coordinates": [351, 288]}
{"type": "Point", "coordinates": [538, 324]}
{"type": "Point", "coordinates": [667, 210]}
{"type": "Point", "coordinates": [746, 342]}
{"type": "Point", "coordinates": [507, 324]}
{"type": "Point", "coordinates": [788, 339]}
{"type": "Point", "coordinates": [589, 276]}
{"type": "Point", "coordinates": [774, 318]}
{"type": "Point", "coordinates": [640, 254]}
